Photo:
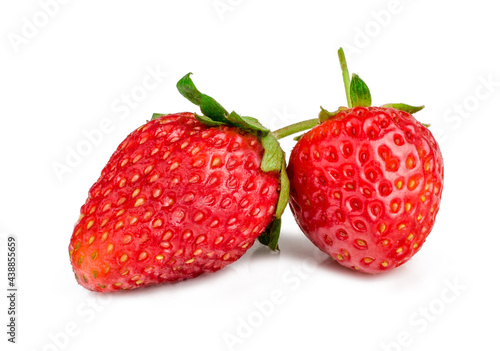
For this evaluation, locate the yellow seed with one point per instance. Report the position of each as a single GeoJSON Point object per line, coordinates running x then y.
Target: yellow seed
{"type": "Point", "coordinates": [399, 184]}
{"type": "Point", "coordinates": [121, 201]}
{"type": "Point", "coordinates": [336, 194]}
{"type": "Point", "coordinates": [123, 258]}
{"type": "Point", "coordinates": [394, 207]}
{"type": "Point", "coordinates": [415, 245]}
{"type": "Point", "coordinates": [80, 218]}
{"type": "Point", "coordinates": [190, 261]}
{"type": "Point", "coordinates": [368, 259]}
{"type": "Point", "coordinates": [106, 207]}
{"type": "Point", "coordinates": [142, 256]}
{"type": "Point", "coordinates": [361, 242]}
{"type": "Point", "coordinates": [127, 239]}
{"type": "Point", "coordinates": [154, 178]}
{"type": "Point", "coordinates": [119, 213]}
{"type": "Point", "coordinates": [94, 273]}
{"type": "Point", "coordinates": [197, 252]}
{"type": "Point", "coordinates": [110, 247]}
{"type": "Point", "coordinates": [137, 158]}
{"type": "Point", "coordinates": [423, 198]}
{"type": "Point", "coordinates": [160, 257]}
{"type": "Point", "coordinates": [226, 257]}
{"type": "Point", "coordinates": [174, 165]}
{"type": "Point", "coordinates": [135, 277]}
{"type": "Point", "coordinates": [179, 252]}
{"type": "Point", "coordinates": [139, 282]}
{"type": "Point", "coordinates": [133, 220]}
{"type": "Point", "coordinates": [410, 162]}
{"type": "Point", "coordinates": [136, 192]}
{"type": "Point", "coordinates": [382, 228]}
{"type": "Point", "coordinates": [91, 240]}
{"type": "Point", "coordinates": [412, 184]}
{"type": "Point", "coordinates": [92, 210]}
{"type": "Point", "coordinates": [339, 257]}
{"type": "Point", "coordinates": [139, 202]}
{"type": "Point", "coordinates": [90, 224]}
{"type": "Point", "coordinates": [157, 223]}
{"type": "Point", "coordinates": [401, 226]}
{"type": "Point", "coordinates": [119, 225]}
{"type": "Point", "coordinates": [385, 263]}
{"type": "Point", "coordinates": [419, 217]}
{"type": "Point", "coordinates": [118, 284]}
{"type": "Point", "coordinates": [399, 250]}
{"type": "Point", "coordinates": [216, 162]}
{"type": "Point", "coordinates": [77, 246]}
{"type": "Point", "coordinates": [384, 242]}
{"type": "Point", "coordinates": [122, 182]}
{"type": "Point", "coordinates": [104, 222]}
{"type": "Point", "coordinates": [408, 207]}
{"type": "Point", "coordinates": [134, 178]}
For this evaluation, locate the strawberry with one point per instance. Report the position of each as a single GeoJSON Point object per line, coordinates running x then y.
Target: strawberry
{"type": "Point", "coordinates": [183, 194]}
{"type": "Point", "coordinates": [366, 182]}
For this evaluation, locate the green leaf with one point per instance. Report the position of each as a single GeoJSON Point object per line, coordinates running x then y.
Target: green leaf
{"type": "Point", "coordinates": [187, 89]}
{"type": "Point", "coordinates": [213, 109]}
{"type": "Point", "coordinates": [360, 94]}
{"type": "Point", "coordinates": [271, 235]}
{"type": "Point", "coordinates": [273, 154]}
{"type": "Point", "coordinates": [247, 123]}
{"type": "Point", "coordinates": [404, 107]}
{"type": "Point", "coordinates": [284, 191]}
{"type": "Point", "coordinates": [158, 115]}
{"type": "Point", "coordinates": [298, 137]}
{"type": "Point", "coordinates": [325, 115]}
{"type": "Point", "coordinates": [207, 121]}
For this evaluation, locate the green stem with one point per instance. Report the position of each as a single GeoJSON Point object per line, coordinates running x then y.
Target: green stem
{"type": "Point", "coordinates": [295, 128]}
{"type": "Point", "coordinates": [345, 76]}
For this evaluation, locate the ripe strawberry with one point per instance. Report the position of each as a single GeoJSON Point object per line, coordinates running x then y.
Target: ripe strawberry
{"type": "Point", "coordinates": [366, 183]}
{"type": "Point", "coordinates": [182, 195]}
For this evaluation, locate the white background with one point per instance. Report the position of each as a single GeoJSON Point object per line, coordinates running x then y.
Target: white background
{"type": "Point", "coordinates": [67, 69]}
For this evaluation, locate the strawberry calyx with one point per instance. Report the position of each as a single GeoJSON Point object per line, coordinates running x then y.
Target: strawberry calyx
{"type": "Point", "coordinates": [358, 94]}
{"type": "Point", "coordinates": [273, 160]}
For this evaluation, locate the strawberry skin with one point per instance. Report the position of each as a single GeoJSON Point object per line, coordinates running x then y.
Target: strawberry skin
{"type": "Point", "coordinates": [366, 186]}
{"type": "Point", "coordinates": [176, 199]}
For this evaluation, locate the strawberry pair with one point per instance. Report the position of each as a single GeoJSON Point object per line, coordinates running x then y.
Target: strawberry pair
{"type": "Point", "coordinates": [186, 194]}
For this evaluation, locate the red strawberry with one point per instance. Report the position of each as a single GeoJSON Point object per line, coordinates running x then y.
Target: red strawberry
{"type": "Point", "coordinates": [179, 198]}
{"type": "Point", "coordinates": [366, 183]}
